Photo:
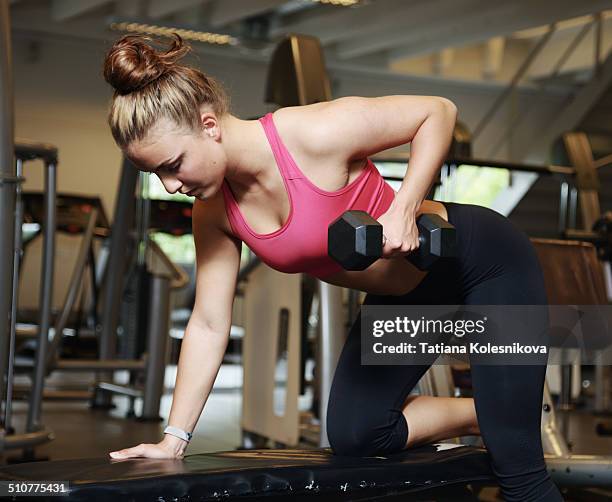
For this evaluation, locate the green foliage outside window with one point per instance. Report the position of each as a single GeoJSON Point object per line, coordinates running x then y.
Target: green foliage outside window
{"type": "Point", "coordinates": [475, 185]}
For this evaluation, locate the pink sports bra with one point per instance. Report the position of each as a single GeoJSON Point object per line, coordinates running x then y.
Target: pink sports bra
{"type": "Point", "coordinates": [300, 245]}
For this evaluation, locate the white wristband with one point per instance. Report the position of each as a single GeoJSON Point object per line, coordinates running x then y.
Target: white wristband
{"type": "Point", "coordinates": [179, 433]}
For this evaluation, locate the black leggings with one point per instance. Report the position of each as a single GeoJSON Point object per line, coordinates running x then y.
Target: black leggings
{"type": "Point", "coordinates": [496, 265]}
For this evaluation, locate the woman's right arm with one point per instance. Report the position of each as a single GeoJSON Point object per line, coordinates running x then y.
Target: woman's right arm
{"type": "Point", "coordinates": [207, 333]}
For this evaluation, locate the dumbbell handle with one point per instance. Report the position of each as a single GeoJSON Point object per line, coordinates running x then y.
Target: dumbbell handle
{"type": "Point", "coordinates": [421, 240]}
{"type": "Point", "coordinates": [440, 223]}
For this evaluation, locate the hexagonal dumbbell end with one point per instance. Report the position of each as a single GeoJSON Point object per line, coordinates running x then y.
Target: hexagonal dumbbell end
{"type": "Point", "coordinates": [437, 239]}
{"type": "Point", "coordinates": [354, 240]}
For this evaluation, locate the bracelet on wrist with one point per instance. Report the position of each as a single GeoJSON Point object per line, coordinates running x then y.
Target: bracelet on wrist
{"type": "Point", "coordinates": [179, 433]}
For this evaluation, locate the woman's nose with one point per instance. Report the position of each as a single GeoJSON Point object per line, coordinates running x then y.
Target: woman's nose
{"type": "Point", "coordinates": [172, 185]}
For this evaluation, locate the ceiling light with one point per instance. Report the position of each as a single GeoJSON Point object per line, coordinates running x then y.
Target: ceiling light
{"type": "Point", "coordinates": [342, 3]}
{"type": "Point", "coordinates": [164, 31]}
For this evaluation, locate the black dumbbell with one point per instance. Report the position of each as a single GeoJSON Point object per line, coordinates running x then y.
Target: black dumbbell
{"type": "Point", "coordinates": [355, 240]}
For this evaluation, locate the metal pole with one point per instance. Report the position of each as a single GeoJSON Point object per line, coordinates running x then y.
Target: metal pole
{"type": "Point", "coordinates": [76, 282]}
{"type": "Point", "coordinates": [603, 389]}
{"type": "Point", "coordinates": [115, 270]}
{"type": "Point", "coordinates": [92, 305]}
{"type": "Point", "coordinates": [144, 216]}
{"type": "Point", "coordinates": [598, 34]}
{"type": "Point", "coordinates": [552, 441]}
{"type": "Point", "coordinates": [353, 308]}
{"type": "Point", "coordinates": [8, 179]}
{"type": "Point", "coordinates": [570, 49]}
{"type": "Point", "coordinates": [331, 329]}
{"type": "Point", "coordinates": [573, 204]}
{"type": "Point", "coordinates": [518, 117]}
{"type": "Point", "coordinates": [159, 313]}
{"type": "Point", "coordinates": [99, 266]}
{"type": "Point", "coordinates": [46, 298]}
{"type": "Point", "coordinates": [563, 197]}
{"type": "Point", "coordinates": [18, 252]}
{"type": "Point", "coordinates": [565, 395]}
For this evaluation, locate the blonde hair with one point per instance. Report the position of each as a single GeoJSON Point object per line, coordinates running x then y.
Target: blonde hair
{"type": "Point", "coordinates": [150, 85]}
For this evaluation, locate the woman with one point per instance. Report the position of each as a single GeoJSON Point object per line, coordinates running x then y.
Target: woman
{"type": "Point", "coordinates": [276, 184]}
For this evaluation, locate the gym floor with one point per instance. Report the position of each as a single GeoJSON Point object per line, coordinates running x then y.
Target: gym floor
{"type": "Point", "coordinates": [84, 433]}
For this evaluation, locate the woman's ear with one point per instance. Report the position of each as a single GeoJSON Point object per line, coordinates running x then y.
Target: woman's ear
{"type": "Point", "coordinates": [210, 125]}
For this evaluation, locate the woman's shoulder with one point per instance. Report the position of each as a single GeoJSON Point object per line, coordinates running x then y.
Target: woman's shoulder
{"type": "Point", "coordinates": [305, 128]}
{"type": "Point", "coordinates": [297, 117]}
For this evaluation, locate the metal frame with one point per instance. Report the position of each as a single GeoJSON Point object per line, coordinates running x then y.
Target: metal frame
{"type": "Point", "coordinates": [520, 73]}
{"type": "Point", "coordinates": [331, 324]}
{"type": "Point", "coordinates": [27, 151]}
{"type": "Point", "coordinates": [116, 264]}
{"type": "Point", "coordinates": [567, 469]}
{"type": "Point", "coordinates": [8, 182]}
{"type": "Point", "coordinates": [15, 292]}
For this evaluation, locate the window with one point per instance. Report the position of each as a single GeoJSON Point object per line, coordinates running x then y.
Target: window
{"type": "Point", "coordinates": [467, 184]}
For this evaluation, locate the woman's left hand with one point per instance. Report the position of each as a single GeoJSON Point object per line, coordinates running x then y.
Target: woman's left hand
{"type": "Point", "coordinates": [400, 233]}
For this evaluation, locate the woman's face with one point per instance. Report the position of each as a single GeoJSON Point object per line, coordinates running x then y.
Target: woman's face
{"type": "Point", "coordinates": [188, 162]}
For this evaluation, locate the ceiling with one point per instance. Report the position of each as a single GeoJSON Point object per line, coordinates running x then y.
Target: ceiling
{"type": "Point", "coordinates": [468, 40]}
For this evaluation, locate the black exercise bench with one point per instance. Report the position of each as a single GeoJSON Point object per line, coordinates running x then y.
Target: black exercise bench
{"type": "Point", "coordinates": [433, 472]}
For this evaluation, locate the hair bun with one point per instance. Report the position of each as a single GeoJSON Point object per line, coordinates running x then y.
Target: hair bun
{"type": "Point", "coordinates": [133, 62]}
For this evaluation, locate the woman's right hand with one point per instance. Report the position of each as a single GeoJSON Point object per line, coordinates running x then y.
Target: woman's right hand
{"type": "Point", "coordinates": [168, 448]}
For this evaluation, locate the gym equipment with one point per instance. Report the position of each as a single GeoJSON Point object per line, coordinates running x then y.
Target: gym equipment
{"type": "Point", "coordinates": [580, 156]}
{"type": "Point", "coordinates": [10, 228]}
{"type": "Point", "coordinates": [84, 215]}
{"type": "Point", "coordinates": [296, 73]}
{"type": "Point", "coordinates": [582, 190]}
{"type": "Point", "coordinates": [145, 322]}
{"type": "Point", "coordinates": [583, 286]}
{"type": "Point", "coordinates": [272, 323]}
{"type": "Point", "coordinates": [567, 469]}
{"type": "Point", "coordinates": [170, 216]}
{"type": "Point", "coordinates": [77, 214]}
{"type": "Point", "coordinates": [9, 182]}
{"type": "Point", "coordinates": [603, 242]}
{"type": "Point", "coordinates": [434, 472]}
{"type": "Point", "coordinates": [573, 276]}
{"type": "Point", "coordinates": [600, 235]}
{"type": "Point", "coordinates": [594, 228]}
{"type": "Point", "coordinates": [73, 217]}
{"type": "Point", "coordinates": [355, 240]}
{"type": "Point", "coordinates": [35, 432]}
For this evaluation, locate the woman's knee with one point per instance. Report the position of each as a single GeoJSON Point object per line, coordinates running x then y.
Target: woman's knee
{"type": "Point", "coordinates": [356, 435]}
{"type": "Point", "coordinates": [349, 439]}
